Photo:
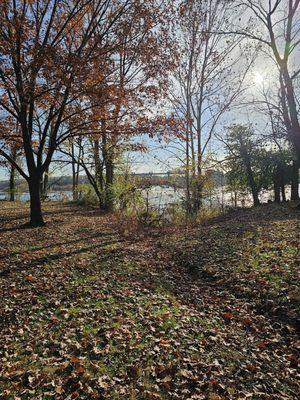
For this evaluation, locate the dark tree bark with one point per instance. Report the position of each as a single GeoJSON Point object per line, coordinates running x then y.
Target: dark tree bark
{"type": "Point", "coordinates": [12, 177]}
{"type": "Point", "coordinates": [74, 191]}
{"type": "Point", "coordinates": [253, 186]}
{"type": "Point", "coordinates": [75, 171]}
{"type": "Point", "coordinates": [294, 126]}
{"type": "Point", "coordinates": [109, 201]}
{"type": "Point", "coordinates": [283, 195]}
{"type": "Point", "coordinates": [98, 170]}
{"type": "Point", "coordinates": [36, 217]}
{"type": "Point", "coordinates": [250, 177]}
{"type": "Point", "coordinates": [276, 193]}
{"type": "Point", "coordinates": [295, 181]}
{"type": "Point", "coordinates": [277, 181]}
{"type": "Point", "coordinates": [12, 183]}
{"type": "Point", "coordinates": [45, 184]}
{"type": "Point", "coordinates": [283, 170]}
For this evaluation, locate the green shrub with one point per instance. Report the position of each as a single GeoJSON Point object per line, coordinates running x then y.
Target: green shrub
{"type": "Point", "coordinates": [87, 195]}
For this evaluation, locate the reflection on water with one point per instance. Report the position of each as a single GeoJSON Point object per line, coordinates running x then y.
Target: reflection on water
{"type": "Point", "coordinates": [162, 196]}
{"type": "Point", "coordinates": [52, 196]}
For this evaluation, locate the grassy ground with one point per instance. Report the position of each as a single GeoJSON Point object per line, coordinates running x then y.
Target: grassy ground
{"type": "Point", "coordinates": [202, 313]}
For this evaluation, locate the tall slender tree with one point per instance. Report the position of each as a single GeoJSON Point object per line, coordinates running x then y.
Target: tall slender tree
{"type": "Point", "coordinates": [207, 81]}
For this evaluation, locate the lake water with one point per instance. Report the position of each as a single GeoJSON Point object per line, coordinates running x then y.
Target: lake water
{"type": "Point", "coordinates": [161, 197]}
{"type": "Point", "coordinates": [53, 196]}
{"type": "Point", "coordinates": [157, 196]}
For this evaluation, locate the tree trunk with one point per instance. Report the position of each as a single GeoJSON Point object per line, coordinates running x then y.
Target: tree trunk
{"type": "Point", "coordinates": [254, 192]}
{"type": "Point", "coordinates": [109, 201]}
{"type": "Point", "coordinates": [12, 177]}
{"type": "Point", "coordinates": [45, 183]}
{"type": "Point", "coordinates": [283, 196]}
{"type": "Point", "coordinates": [252, 184]}
{"type": "Point", "coordinates": [74, 186]}
{"type": "Point", "coordinates": [295, 181]}
{"type": "Point", "coordinates": [187, 174]}
{"type": "Point", "coordinates": [12, 183]}
{"type": "Point", "coordinates": [198, 183]}
{"type": "Point", "coordinates": [76, 182]}
{"type": "Point", "coordinates": [294, 132]}
{"type": "Point", "coordinates": [36, 217]}
{"type": "Point", "coordinates": [276, 193]}
{"type": "Point", "coordinates": [250, 175]}
{"type": "Point", "coordinates": [76, 168]}
{"type": "Point", "coordinates": [109, 170]}
{"type": "Point", "coordinates": [74, 189]}
{"type": "Point", "coordinates": [98, 165]}
{"type": "Point", "coordinates": [196, 194]}
{"type": "Point", "coordinates": [276, 182]}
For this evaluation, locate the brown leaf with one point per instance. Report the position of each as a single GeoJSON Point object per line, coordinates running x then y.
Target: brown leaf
{"type": "Point", "coordinates": [251, 368]}
{"type": "Point", "coordinates": [133, 371]}
{"type": "Point", "coordinates": [75, 360]}
{"type": "Point", "coordinates": [59, 389]}
{"type": "Point", "coordinates": [80, 370]}
{"type": "Point", "coordinates": [228, 316]}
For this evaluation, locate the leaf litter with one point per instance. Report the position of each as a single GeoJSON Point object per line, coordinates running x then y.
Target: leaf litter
{"type": "Point", "coordinates": [206, 312]}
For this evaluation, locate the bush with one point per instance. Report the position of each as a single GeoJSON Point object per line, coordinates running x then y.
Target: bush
{"type": "Point", "coordinates": [87, 195]}
{"type": "Point", "coordinates": [125, 194]}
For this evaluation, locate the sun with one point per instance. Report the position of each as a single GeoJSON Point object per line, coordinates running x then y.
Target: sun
{"type": "Point", "coordinates": [259, 79]}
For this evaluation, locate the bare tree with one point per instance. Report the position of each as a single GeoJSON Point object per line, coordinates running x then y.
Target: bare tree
{"type": "Point", "coordinates": [274, 24]}
{"type": "Point", "coordinates": [206, 83]}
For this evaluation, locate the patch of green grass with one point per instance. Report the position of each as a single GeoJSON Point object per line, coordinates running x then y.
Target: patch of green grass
{"type": "Point", "coordinates": [97, 305]}
{"type": "Point", "coordinates": [169, 324]}
{"type": "Point", "coordinates": [89, 330]}
{"type": "Point", "coordinates": [74, 310]}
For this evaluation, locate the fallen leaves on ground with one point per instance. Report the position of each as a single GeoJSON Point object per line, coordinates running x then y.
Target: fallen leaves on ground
{"type": "Point", "coordinates": [204, 313]}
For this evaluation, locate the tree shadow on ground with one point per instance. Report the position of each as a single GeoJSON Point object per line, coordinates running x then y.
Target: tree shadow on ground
{"type": "Point", "coordinates": [57, 244]}
{"type": "Point", "coordinates": [49, 258]}
{"type": "Point", "coordinates": [51, 210]}
{"type": "Point", "coordinates": [217, 258]}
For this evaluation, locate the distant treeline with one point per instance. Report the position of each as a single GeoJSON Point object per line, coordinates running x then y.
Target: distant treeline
{"type": "Point", "coordinates": [56, 183]}
{"type": "Point", "coordinates": [64, 183]}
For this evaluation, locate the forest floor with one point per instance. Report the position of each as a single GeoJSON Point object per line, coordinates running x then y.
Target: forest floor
{"type": "Point", "coordinates": [207, 312]}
